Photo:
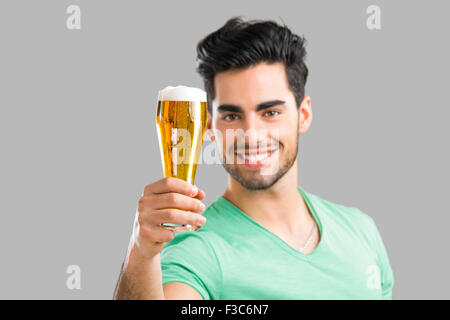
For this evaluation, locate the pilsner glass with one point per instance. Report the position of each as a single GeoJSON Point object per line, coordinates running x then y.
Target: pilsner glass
{"type": "Point", "coordinates": [181, 124]}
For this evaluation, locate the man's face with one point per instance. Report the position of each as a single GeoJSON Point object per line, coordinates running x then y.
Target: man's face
{"type": "Point", "coordinates": [257, 107]}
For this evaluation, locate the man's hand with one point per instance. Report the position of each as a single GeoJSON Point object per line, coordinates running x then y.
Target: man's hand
{"type": "Point", "coordinates": [165, 201]}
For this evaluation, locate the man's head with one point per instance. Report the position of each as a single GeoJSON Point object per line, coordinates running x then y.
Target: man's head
{"type": "Point", "coordinates": [254, 75]}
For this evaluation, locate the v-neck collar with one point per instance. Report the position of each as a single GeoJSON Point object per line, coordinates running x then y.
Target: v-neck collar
{"type": "Point", "coordinates": [281, 242]}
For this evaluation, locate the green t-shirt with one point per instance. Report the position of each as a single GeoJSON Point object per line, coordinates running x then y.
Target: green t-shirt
{"type": "Point", "coordinates": [234, 257]}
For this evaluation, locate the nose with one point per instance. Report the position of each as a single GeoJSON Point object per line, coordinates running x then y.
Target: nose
{"type": "Point", "coordinates": [255, 132]}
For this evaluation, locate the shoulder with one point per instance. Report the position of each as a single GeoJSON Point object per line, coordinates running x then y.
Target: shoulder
{"type": "Point", "coordinates": [221, 218]}
{"type": "Point", "coordinates": [190, 258]}
{"type": "Point", "coordinates": [191, 239]}
{"type": "Point", "coordinates": [350, 216]}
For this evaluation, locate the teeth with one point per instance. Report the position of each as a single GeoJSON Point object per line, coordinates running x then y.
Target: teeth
{"type": "Point", "coordinates": [253, 157]}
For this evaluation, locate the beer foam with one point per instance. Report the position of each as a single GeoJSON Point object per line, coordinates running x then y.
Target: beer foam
{"type": "Point", "coordinates": [181, 93]}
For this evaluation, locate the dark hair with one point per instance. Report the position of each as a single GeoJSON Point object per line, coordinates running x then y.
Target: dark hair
{"type": "Point", "coordinates": [238, 45]}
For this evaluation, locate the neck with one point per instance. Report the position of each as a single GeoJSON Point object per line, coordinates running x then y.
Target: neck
{"type": "Point", "coordinates": [280, 207]}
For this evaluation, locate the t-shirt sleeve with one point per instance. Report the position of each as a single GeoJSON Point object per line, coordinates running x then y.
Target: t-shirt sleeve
{"type": "Point", "coordinates": [386, 273]}
{"type": "Point", "coordinates": [189, 258]}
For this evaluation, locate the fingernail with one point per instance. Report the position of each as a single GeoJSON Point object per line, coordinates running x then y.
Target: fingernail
{"type": "Point", "coordinates": [201, 219]}
{"type": "Point", "coordinates": [194, 190]}
{"type": "Point", "coordinates": [202, 205]}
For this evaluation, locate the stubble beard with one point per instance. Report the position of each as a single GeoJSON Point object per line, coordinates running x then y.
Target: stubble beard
{"type": "Point", "coordinates": [258, 181]}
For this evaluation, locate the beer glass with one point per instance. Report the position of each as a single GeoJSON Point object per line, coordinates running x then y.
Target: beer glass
{"type": "Point", "coordinates": [181, 124]}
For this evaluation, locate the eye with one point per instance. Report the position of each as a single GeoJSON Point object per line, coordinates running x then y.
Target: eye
{"type": "Point", "coordinates": [230, 117]}
{"type": "Point", "coordinates": [271, 113]}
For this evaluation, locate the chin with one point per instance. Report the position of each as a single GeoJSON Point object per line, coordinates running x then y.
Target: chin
{"type": "Point", "coordinates": [251, 179]}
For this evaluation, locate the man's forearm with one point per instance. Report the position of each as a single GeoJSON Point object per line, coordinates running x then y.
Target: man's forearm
{"type": "Point", "coordinates": [140, 278]}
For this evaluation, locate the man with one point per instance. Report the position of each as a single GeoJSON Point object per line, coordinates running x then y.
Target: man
{"type": "Point", "coordinates": [265, 237]}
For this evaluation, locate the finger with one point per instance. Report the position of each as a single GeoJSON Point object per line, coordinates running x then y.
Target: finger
{"type": "Point", "coordinates": [177, 217]}
{"type": "Point", "coordinates": [178, 201]}
{"type": "Point", "coordinates": [200, 194]}
{"type": "Point", "coordinates": [158, 234]}
{"type": "Point", "coordinates": [171, 184]}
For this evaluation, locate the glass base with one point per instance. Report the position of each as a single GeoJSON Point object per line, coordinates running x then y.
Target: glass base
{"type": "Point", "coordinates": [179, 227]}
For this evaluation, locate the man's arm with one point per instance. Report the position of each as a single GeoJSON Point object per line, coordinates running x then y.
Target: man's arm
{"type": "Point", "coordinates": [169, 200]}
{"type": "Point", "coordinates": [142, 280]}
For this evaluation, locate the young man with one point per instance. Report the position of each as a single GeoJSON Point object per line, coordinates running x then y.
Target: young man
{"type": "Point", "coordinates": [265, 237]}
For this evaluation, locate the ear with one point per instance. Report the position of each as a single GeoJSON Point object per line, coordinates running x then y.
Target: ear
{"type": "Point", "coordinates": [209, 126]}
{"type": "Point", "coordinates": [305, 115]}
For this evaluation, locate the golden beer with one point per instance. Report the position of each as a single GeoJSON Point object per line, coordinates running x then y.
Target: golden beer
{"type": "Point", "coordinates": [181, 124]}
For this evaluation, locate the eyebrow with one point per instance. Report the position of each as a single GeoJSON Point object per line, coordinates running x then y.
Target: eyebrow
{"type": "Point", "coordinates": [259, 107]}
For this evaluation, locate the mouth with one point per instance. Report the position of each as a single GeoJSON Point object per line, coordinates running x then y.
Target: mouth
{"type": "Point", "coordinates": [256, 158]}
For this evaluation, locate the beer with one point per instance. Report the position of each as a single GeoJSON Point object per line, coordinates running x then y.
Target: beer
{"type": "Point", "coordinates": [181, 124]}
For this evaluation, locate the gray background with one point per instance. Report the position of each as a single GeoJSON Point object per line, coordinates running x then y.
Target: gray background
{"type": "Point", "coordinates": [78, 139]}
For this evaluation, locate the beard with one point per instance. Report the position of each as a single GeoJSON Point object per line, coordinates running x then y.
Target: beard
{"type": "Point", "coordinates": [257, 181]}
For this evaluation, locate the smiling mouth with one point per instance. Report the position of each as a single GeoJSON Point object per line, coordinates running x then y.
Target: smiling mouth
{"type": "Point", "coordinates": [257, 157]}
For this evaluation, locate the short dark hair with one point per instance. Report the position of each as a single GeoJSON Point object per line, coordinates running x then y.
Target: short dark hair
{"type": "Point", "coordinates": [239, 45]}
